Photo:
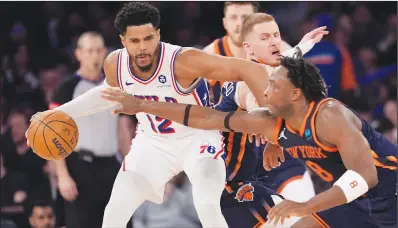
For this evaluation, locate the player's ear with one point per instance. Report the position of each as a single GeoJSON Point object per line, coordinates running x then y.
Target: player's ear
{"type": "Point", "coordinates": [224, 23]}
{"type": "Point", "coordinates": [296, 94]}
{"type": "Point", "coordinates": [158, 33]}
{"type": "Point", "coordinates": [247, 48]}
{"type": "Point", "coordinates": [123, 40]}
{"type": "Point", "coordinates": [78, 54]}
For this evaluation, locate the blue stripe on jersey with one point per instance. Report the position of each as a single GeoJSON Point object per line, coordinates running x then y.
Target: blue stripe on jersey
{"type": "Point", "coordinates": [227, 102]}
{"type": "Point", "coordinates": [203, 93]}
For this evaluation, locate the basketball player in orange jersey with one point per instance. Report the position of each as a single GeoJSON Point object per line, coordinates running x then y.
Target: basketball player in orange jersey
{"type": "Point", "coordinates": [153, 70]}
{"type": "Point", "coordinates": [360, 162]}
{"type": "Point", "coordinates": [231, 44]}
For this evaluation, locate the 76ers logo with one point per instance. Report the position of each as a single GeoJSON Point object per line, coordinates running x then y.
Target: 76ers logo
{"type": "Point", "coordinates": [245, 193]}
{"type": "Point", "coordinates": [206, 147]}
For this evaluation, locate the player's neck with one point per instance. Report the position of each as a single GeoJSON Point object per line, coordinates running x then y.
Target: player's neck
{"type": "Point", "coordinates": [237, 51]}
{"type": "Point", "coordinates": [145, 74]}
{"type": "Point", "coordinates": [90, 75]}
{"type": "Point", "coordinates": [297, 115]}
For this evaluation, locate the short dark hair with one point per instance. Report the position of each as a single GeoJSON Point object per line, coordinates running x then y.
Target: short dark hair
{"type": "Point", "coordinates": [255, 5]}
{"type": "Point", "coordinates": [39, 203]}
{"type": "Point", "coordinates": [305, 76]}
{"type": "Point", "coordinates": [136, 14]}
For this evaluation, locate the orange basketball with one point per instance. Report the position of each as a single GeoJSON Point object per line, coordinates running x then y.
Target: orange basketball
{"type": "Point", "coordinates": [53, 135]}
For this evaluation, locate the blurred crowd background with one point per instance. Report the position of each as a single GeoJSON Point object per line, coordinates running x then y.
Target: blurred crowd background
{"type": "Point", "coordinates": [37, 53]}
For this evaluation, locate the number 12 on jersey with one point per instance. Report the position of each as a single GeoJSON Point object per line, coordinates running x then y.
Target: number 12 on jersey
{"type": "Point", "coordinates": [163, 126]}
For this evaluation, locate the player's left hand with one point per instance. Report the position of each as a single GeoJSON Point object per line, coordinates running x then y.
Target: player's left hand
{"type": "Point", "coordinates": [128, 103]}
{"type": "Point", "coordinates": [285, 209]}
{"type": "Point", "coordinates": [315, 35]}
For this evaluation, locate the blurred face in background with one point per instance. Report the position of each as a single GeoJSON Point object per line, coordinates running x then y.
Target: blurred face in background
{"type": "Point", "coordinates": [49, 79]}
{"type": "Point", "coordinates": [234, 15]}
{"type": "Point", "coordinates": [91, 52]}
{"type": "Point", "coordinates": [42, 217]}
{"type": "Point", "coordinates": [142, 44]}
{"type": "Point", "coordinates": [264, 42]}
{"type": "Point", "coordinates": [21, 57]}
{"type": "Point", "coordinates": [390, 111]}
{"type": "Point", "coordinates": [19, 125]}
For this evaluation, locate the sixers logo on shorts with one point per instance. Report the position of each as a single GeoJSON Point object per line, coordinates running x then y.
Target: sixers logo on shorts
{"type": "Point", "coordinates": [207, 147]}
{"type": "Point", "coordinates": [245, 193]}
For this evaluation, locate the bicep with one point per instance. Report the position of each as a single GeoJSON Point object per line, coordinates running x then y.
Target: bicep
{"type": "Point", "coordinates": [337, 127]}
{"type": "Point", "coordinates": [194, 63]}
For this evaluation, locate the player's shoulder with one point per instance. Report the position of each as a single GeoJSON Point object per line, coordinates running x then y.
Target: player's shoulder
{"type": "Point", "coordinates": [112, 57]}
{"type": "Point", "coordinates": [333, 112]}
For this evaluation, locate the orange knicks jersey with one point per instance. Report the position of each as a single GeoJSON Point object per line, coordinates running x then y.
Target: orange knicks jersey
{"type": "Point", "coordinates": [327, 162]}
{"type": "Point", "coordinates": [161, 86]}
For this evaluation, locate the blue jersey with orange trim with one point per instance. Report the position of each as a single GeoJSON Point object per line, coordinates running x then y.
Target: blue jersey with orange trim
{"type": "Point", "coordinates": [240, 157]}
{"type": "Point", "coordinates": [221, 47]}
{"type": "Point", "coordinates": [326, 161]}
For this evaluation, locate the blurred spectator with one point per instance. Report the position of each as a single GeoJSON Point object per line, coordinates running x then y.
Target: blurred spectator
{"type": "Point", "coordinates": [177, 209]}
{"type": "Point", "coordinates": [50, 77]}
{"type": "Point", "coordinates": [387, 47]}
{"type": "Point", "coordinates": [14, 195]}
{"type": "Point", "coordinates": [333, 60]}
{"type": "Point", "coordinates": [24, 159]}
{"type": "Point", "coordinates": [41, 215]}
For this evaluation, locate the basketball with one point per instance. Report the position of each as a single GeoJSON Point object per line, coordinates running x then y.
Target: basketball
{"type": "Point", "coordinates": [52, 135]}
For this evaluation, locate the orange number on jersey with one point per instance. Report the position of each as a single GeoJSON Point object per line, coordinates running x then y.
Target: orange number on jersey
{"type": "Point", "coordinates": [325, 175]}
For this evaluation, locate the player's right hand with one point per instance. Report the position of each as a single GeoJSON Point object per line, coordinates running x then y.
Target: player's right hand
{"type": "Point", "coordinates": [67, 187]}
{"type": "Point", "coordinates": [128, 103]}
{"type": "Point", "coordinates": [271, 155]}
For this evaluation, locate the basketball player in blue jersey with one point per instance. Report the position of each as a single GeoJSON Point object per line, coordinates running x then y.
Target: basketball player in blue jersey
{"type": "Point", "coordinates": [360, 162]}
{"type": "Point", "coordinates": [153, 70]}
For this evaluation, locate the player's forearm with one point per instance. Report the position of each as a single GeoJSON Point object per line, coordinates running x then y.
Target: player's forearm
{"type": "Point", "coordinates": [202, 117]}
{"type": "Point", "coordinates": [256, 78]}
{"type": "Point", "coordinates": [305, 48]}
{"type": "Point", "coordinates": [199, 117]}
{"type": "Point", "coordinates": [87, 103]}
{"type": "Point", "coordinates": [333, 197]}
{"type": "Point", "coordinates": [60, 168]}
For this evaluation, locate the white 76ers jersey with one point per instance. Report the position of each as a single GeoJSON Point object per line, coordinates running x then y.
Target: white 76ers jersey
{"type": "Point", "coordinates": [161, 86]}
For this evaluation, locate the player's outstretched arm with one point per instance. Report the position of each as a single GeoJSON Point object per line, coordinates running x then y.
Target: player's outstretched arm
{"type": "Point", "coordinates": [195, 116]}
{"type": "Point", "coordinates": [192, 63]}
{"type": "Point", "coordinates": [90, 102]}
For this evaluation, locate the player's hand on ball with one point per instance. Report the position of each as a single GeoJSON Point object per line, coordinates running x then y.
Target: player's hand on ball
{"type": "Point", "coordinates": [129, 104]}
{"type": "Point", "coordinates": [35, 116]}
{"type": "Point", "coordinates": [278, 213]}
{"type": "Point", "coordinates": [67, 187]}
{"type": "Point", "coordinates": [315, 35]}
{"type": "Point", "coordinates": [272, 156]}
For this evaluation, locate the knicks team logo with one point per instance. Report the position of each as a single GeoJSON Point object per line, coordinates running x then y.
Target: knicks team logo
{"type": "Point", "coordinates": [245, 193]}
{"type": "Point", "coordinates": [162, 79]}
{"type": "Point", "coordinates": [206, 147]}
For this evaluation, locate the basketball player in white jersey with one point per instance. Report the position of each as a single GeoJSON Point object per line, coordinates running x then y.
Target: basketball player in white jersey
{"type": "Point", "coordinates": [150, 69]}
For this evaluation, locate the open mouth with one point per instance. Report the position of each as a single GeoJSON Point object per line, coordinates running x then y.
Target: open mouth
{"type": "Point", "coordinates": [276, 53]}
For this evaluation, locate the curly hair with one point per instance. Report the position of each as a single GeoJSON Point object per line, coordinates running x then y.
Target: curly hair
{"type": "Point", "coordinates": [305, 76]}
{"type": "Point", "coordinates": [136, 14]}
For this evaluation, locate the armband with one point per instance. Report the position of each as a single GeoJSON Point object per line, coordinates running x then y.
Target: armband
{"type": "Point", "coordinates": [352, 184]}
{"type": "Point", "coordinates": [226, 121]}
